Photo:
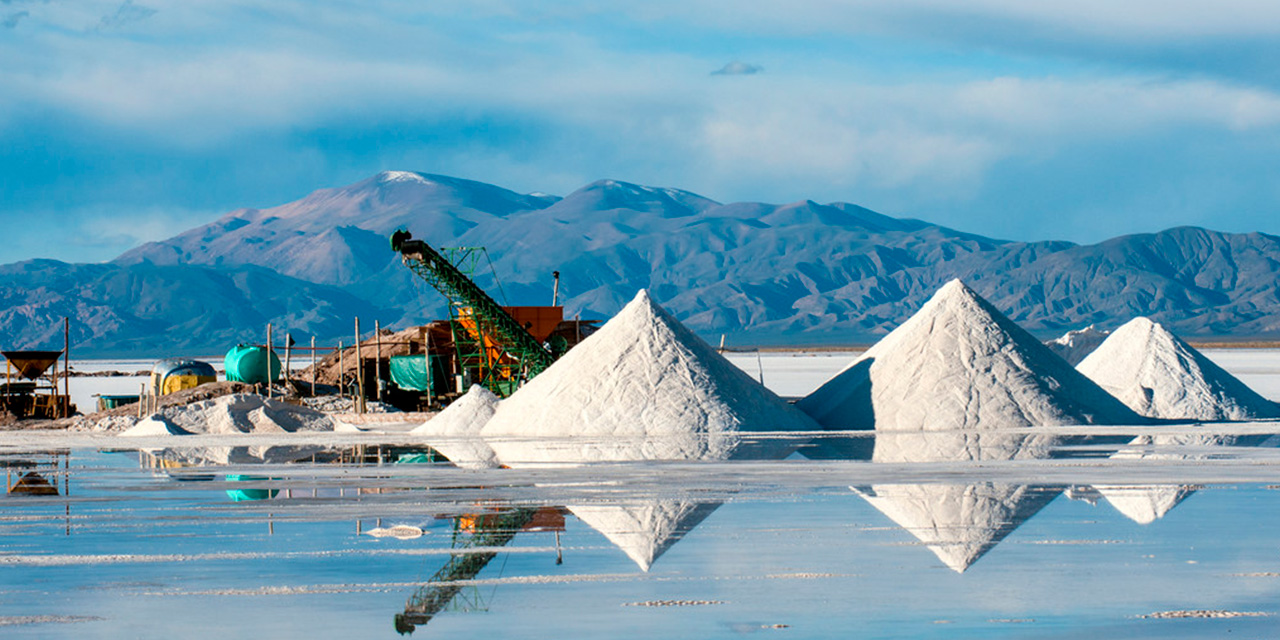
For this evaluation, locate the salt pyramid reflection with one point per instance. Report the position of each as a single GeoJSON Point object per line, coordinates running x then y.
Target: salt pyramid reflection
{"type": "Point", "coordinates": [646, 530]}
{"type": "Point", "coordinates": [1145, 504]}
{"type": "Point", "coordinates": [959, 523]}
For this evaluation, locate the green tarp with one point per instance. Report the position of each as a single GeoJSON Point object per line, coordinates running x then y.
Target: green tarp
{"type": "Point", "coordinates": [411, 373]}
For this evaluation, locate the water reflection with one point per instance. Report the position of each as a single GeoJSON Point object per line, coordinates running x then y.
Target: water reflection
{"type": "Point", "coordinates": [960, 523]}
{"type": "Point", "coordinates": [960, 515]}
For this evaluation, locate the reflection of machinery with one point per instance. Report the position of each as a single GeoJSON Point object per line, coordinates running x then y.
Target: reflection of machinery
{"type": "Point", "coordinates": [35, 395]}
{"type": "Point", "coordinates": [487, 530]}
{"type": "Point", "coordinates": [496, 346]}
{"type": "Point", "coordinates": [36, 474]}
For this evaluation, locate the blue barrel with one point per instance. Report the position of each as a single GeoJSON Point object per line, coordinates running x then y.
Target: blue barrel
{"type": "Point", "coordinates": [245, 363]}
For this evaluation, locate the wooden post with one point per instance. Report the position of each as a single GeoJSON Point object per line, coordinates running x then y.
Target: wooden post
{"type": "Point", "coordinates": [313, 366]}
{"type": "Point", "coordinates": [288, 353]}
{"type": "Point", "coordinates": [359, 399]}
{"type": "Point", "coordinates": [268, 360]}
{"type": "Point", "coordinates": [342, 369]}
{"type": "Point", "coordinates": [377, 363]}
{"type": "Point", "coordinates": [66, 370]}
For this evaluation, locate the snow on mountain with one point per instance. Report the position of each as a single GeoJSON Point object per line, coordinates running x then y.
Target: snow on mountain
{"type": "Point", "coordinates": [1158, 375]}
{"type": "Point", "coordinates": [959, 363]}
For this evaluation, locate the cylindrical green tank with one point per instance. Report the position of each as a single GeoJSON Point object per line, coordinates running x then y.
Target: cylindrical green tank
{"type": "Point", "coordinates": [245, 363]}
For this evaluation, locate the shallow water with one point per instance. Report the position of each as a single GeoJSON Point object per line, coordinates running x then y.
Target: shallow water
{"type": "Point", "coordinates": [1037, 538]}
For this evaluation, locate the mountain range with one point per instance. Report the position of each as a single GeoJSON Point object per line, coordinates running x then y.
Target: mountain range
{"type": "Point", "coordinates": [767, 274]}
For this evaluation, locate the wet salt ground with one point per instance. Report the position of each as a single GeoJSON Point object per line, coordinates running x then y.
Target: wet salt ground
{"type": "Point", "coordinates": [793, 551]}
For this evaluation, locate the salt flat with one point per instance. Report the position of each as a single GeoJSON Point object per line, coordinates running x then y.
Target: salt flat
{"type": "Point", "coordinates": [128, 546]}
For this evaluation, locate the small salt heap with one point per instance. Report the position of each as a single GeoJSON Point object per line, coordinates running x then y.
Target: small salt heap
{"type": "Point", "coordinates": [959, 363]}
{"type": "Point", "coordinates": [646, 530]}
{"type": "Point", "coordinates": [455, 432]}
{"type": "Point", "coordinates": [1160, 376]}
{"type": "Point", "coordinates": [643, 387]}
{"type": "Point", "coordinates": [1074, 346]}
{"type": "Point", "coordinates": [231, 414]}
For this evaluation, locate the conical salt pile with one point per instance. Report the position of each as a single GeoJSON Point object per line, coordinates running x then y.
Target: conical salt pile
{"type": "Point", "coordinates": [643, 387]}
{"type": "Point", "coordinates": [958, 363]}
{"type": "Point", "coordinates": [1160, 376]}
{"type": "Point", "coordinates": [645, 531]}
{"type": "Point", "coordinates": [455, 432]}
{"type": "Point", "coordinates": [1076, 345]}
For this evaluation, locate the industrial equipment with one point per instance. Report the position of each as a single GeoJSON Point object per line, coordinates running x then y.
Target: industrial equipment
{"type": "Point", "coordinates": [35, 395]}
{"type": "Point", "coordinates": [175, 374]}
{"type": "Point", "coordinates": [493, 347]}
{"type": "Point", "coordinates": [252, 364]}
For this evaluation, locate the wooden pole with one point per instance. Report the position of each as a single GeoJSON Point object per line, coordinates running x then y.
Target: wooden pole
{"type": "Point", "coordinates": [268, 360]}
{"type": "Point", "coordinates": [359, 398]}
{"type": "Point", "coordinates": [313, 366]}
{"type": "Point", "coordinates": [342, 369]}
{"type": "Point", "coordinates": [288, 356]}
{"type": "Point", "coordinates": [377, 363]}
{"type": "Point", "coordinates": [66, 370]}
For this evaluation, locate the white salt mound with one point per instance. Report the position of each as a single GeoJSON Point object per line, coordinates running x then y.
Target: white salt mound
{"type": "Point", "coordinates": [643, 387]}
{"type": "Point", "coordinates": [154, 426]}
{"type": "Point", "coordinates": [232, 414]}
{"type": "Point", "coordinates": [959, 363]}
{"type": "Point", "coordinates": [1074, 346]}
{"type": "Point", "coordinates": [1160, 376]}
{"type": "Point", "coordinates": [455, 432]}
{"type": "Point", "coordinates": [645, 531]}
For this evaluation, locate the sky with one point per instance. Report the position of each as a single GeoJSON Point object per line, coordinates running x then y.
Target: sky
{"type": "Point", "coordinates": [123, 122]}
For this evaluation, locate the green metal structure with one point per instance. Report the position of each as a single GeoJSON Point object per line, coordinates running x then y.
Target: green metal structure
{"type": "Point", "coordinates": [465, 564]}
{"type": "Point", "coordinates": [497, 351]}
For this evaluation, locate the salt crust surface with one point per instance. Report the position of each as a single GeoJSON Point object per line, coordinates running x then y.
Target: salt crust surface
{"type": "Point", "coordinates": [455, 432]}
{"type": "Point", "coordinates": [959, 363]}
{"type": "Point", "coordinates": [643, 387]}
{"type": "Point", "coordinates": [1074, 346]}
{"type": "Point", "coordinates": [1158, 375]}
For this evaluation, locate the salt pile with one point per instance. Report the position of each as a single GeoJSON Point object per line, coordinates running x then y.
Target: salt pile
{"type": "Point", "coordinates": [1160, 376]}
{"type": "Point", "coordinates": [643, 387]}
{"type": "Point", "coordinates": [455, 432]}
{"type": "Point", "coordinates": [232, 414]}
{"type": "Point", "coordinates": [240, 413]}
{"type": "Point", "coordinates": [959, 363]}
{"type": "Point", "coordinates": [645, 531]}
{"type": "Point", "coordinates": [1074, 346]}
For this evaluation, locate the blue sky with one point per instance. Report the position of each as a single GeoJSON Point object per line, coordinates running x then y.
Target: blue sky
{"type": "Point", "coordinates": [126, 122]}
